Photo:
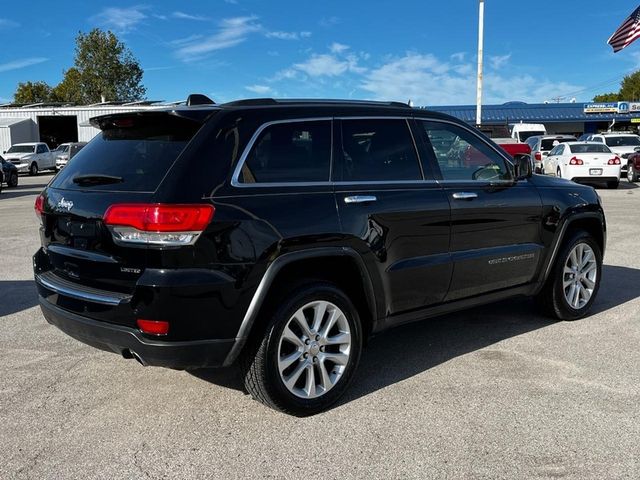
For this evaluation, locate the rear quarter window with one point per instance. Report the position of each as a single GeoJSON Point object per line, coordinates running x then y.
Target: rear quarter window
{"type": "Point", "coordinates": [140, 153]}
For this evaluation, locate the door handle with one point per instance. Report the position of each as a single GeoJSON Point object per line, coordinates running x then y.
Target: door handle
{"type": "Point", "coordinates": [360, 199]}
{"type": "Point", "coordinates": [465, 195]}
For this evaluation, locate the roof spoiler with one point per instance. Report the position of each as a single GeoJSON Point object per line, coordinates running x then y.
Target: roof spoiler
{"type": "Point", "coordinates": [199, 99]}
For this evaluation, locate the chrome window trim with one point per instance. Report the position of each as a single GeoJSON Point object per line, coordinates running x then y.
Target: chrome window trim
{"type": "Point", "coordinates": [247, 150]}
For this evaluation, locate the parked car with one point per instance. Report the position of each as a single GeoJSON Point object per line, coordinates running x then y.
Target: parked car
{"type": "Point", "coordinates": [633, 166]}
{"type": "Point", "coordinates": [65, 152]}
{"type": "Point", "coordinates": [310, 226]}
{"type": "Point", "coordinates": [31, 157]}
{"type": "Point", "coordinates": [584, 162]}
{"type": "Point", "coordinates": [9, 173]}
{"type": "Point", "coordinates": [523, 131]}
{"type": "Point", "coordinates": [622, 144]}
{"type": "Point", "coordinates": [516, 150]}
{"type": "Point", "coordinates": [541, 145]}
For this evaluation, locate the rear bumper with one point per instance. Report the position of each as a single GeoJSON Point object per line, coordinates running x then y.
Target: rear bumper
{"type": "Point", "coordinates": [131, 343]}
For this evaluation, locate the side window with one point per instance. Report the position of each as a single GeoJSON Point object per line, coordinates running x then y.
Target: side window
{"type": "Point", "coordinates": [290, 152]}
{"type": "Point", "coordinates": [463, 156]}
{"type": "Point", "coordinates": [377, 150]}
{"type": "Point", "coordinates": [40, 149]}
{"type": "Point", "coordinates": [553, 151]}
{"type": "Point", "coordinates": [597, 139]}
{"type": "Point", "coordinates": [560, 150]}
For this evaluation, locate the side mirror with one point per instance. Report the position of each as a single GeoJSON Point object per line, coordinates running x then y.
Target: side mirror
{"type": "Point", "coordinates": [636, 149]}
{"type": "Point", "coordinates": [545, 154]}
{"type": "Point", "coordinates": [522, 167]}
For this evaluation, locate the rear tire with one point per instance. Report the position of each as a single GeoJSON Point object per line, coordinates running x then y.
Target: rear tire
{"type": "Point", "coordinates": [33, 169]}
{"type": "Point", "coordinates": [632, 176]}
{"type": "Point", "coordinates": [13, 181]}
{"type": "Point", "coordinates": [558, 173]}
{"type": "Point", "coordinates": [292, 368]}
{"type": "Point", "coordinates": [566, 284]}
{"type": "Point", "coordinates": [613, 185]}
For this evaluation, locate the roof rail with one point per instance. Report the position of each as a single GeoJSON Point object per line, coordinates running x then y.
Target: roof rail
{"type": "Point", "coordinates": [315, 101]}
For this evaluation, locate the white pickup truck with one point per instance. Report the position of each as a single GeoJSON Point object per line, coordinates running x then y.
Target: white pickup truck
{"type": "Point", "coordinates": [31, 157]}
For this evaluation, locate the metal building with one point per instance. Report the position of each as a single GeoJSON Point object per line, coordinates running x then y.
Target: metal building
{"type": "Point", "coordinates": [55, 124]}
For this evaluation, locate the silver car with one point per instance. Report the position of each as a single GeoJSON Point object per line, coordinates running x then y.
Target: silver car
{"type": "Point", "coordinates": [65, 152]}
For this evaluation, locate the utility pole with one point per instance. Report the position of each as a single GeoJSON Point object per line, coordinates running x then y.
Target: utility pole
{"type": "Point", "coordinates": [480, 48]}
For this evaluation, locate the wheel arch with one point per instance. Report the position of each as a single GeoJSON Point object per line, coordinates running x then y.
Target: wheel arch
{"type": "Point", "coordinates": [353, 277]}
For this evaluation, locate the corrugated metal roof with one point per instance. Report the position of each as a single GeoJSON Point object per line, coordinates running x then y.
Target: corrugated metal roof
{"type": "Point", "coordinates": [531, 113]}
{"type": "Point", "coordinates": [8, 121]}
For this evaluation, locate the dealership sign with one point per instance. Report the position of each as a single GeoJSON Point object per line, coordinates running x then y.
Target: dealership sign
{"type": "Point", "coordinates": [612, 107]}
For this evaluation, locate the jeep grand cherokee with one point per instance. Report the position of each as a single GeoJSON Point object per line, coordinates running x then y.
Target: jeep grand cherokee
{"type": "Point", "coordinates": [282, 234]}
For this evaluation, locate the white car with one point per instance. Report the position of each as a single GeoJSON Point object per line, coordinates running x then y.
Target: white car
{"type": "Point", "coordinates": [622, 144]}
{"type": "Point", "coordinates": [584, 162]}
{"type": "Point", "coordinates": [31, 157]}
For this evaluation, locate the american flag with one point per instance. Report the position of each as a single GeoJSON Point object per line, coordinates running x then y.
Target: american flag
{"type": "Point", "coordinates": [627, 32]}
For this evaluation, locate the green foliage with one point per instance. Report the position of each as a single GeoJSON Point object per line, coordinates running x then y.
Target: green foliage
{"type": "Point", "coordinates": [104, 68]}
{"type": "Point", "coordinates": [630, 88]}
{"type": "Point", "coordinates": [32, 92]}
{"type": "Point", "coordinates": [607, 97]}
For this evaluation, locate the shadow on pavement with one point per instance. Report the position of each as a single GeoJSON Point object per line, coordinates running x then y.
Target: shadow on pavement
{"type": "Point", "coordinates": [17, 295]}
{"type": "Point", "coordinates": [403, 352]}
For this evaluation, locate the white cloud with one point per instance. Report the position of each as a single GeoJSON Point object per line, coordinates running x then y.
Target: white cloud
{"type": "Point", "coordinates": [232, 32]}
{"type": "Point", "coordinates": [121, 20]}
{"type": "Point", "coordinates": [338, 47]}
{"type": "Point", "coordinates": [498, 61]}
{"type": "Point", "coordinates": [327, 22]}
{"type": "Point", "coordinates": [18, 64]}
{"type": "Point", "coordinates": [458, 56]}
{"type": "Point", "coordinates": [287, 35]}
{"type": "Point", "coordinates": [259, 89]}
{"type": "Point", "coordinates": [328, 65]}
{"type": "Point", "coordinates": [186, 16]}
{"type": "Point", "coordinates": [6, 23]}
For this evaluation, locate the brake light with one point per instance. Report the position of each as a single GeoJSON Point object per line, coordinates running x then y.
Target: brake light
{"type": "Point", "coordinates": [39, 205]}
{"type": "Point", "coordinates": [158, 224]}
{"type": "Point", "coordinates": [575, 161]}
{"type": "Point", "coordinates": [538, 156]}
{"type": "Point", "coordinates": [614, 161]}
{"type": "Point", "coordinates": [153, 327]}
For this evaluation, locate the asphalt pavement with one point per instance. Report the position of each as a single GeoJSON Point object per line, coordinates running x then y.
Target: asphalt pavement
{"type": "Point", "coordinates": [495, 392]}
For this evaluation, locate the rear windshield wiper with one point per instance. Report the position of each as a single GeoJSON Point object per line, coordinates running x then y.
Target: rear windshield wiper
{"type": "Point", "coordinates": [96, 179]}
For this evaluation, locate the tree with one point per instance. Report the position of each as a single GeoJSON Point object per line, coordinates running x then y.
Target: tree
{"type": "Point", "coordinates": [104, 68]}
{"type": "Point", "coordinates": [630, 87]}
{"type": "Point", "coordinates": [607, 97]}
{"type": "Point", "coordinates": [32, 92]}
{"type": "Point", "coordinates": [107, 68]}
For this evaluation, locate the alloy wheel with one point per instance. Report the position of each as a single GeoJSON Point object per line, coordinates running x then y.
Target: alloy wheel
{"type": "Point", "coordinates": [314, 349]}
{"type": "Point", "coordinates": [580, 275]}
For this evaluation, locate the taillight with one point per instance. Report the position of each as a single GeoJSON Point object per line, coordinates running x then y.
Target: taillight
{"type": "Point", "coordinates": [576, 161]}
{"type": "Point", "coordinates": [153, 327]}
{"type": "Point", "coordinates": [39, 205]}
{"type": "Point", "coordinates": [538, 156]}
{"type": "Point", "coordinates": [614, 161]}
{"type": "Point", "coordinates": [157, 224]}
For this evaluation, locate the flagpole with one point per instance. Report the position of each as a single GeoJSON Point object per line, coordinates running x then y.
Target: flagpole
{"type": "Point", "coordinates": [480, 48]}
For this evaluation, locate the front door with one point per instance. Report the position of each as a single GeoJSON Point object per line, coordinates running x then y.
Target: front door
{"type": "Point", "coordinates": [495, 222]}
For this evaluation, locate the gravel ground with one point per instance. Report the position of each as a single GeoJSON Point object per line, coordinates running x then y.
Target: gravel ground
{"type": "Point", "coordinates": [497, 392]}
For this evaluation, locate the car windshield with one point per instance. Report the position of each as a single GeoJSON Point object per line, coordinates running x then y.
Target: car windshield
{"type": "Point", "coordinates": [548, 143]}
{"type": "Point", "coordinates": [622, 141]}
{"type": "Point", "coordinates": [532, 133]}
{"type": "Point", "coordinates": [589, 148]}
{"type": "Point", "coordinates": [22, 149]}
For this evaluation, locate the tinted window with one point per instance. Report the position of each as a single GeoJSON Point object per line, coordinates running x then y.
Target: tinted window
{"type": "Point", "coordinates": [21, 149]}
{"type": "Point", "coordinates": [140, 151]}
{"type": "Point", "coordinates": [377, 150]}
{"type": "Point", "coordinates": [548, 143]}
{"type": "Point", "coordinates": [622, 141]}
{"type": "Point", "coordinates": [41, 149]}
{"type": "Point", "coordinates": [463, 156]}
{"type": "Point", "coordinates": [597, 139]}
{"type": "Point", "coordinates": [525, 135]}
{"type": "Point", "coordinates": [290, 152]}
{"type": "Point", "coordinates": [589, 148]}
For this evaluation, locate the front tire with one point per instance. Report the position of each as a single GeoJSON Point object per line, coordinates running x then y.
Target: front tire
{"type": "Point", "coordinates": [13, 181]}
{"type": "Point", "coordinates": [309, 352]}
{"type": "Point", "coordinates": [632, 176]}
{"type": "Point", "coordinates": [33, 169]}
{"type": "Point", "coordinates": [574, 280]}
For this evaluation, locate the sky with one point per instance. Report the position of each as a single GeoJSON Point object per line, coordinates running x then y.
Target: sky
{"type": "Point", "coordinates": [424, 50]}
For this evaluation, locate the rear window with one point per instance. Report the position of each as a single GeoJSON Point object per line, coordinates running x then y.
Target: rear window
{"type": "Point", "coordinates": [135, 155]}
{"type": "Point", "coordinates": [524, 135]}
{"type": "Point", "coordinates": [622, 141]}
{"type": "Point", "coordinates": [589, 148]}
{"type": "Point", "coordinates": [547, 144]}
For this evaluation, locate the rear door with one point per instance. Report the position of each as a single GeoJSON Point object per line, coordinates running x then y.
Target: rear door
{"type": "Point", "coordinates": [495, 222]}
{"type": "Point", "coordinates": [396, 217]}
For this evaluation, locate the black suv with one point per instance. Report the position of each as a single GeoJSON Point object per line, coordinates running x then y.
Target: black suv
{"type": "Point", "coordinates": [282, 234]}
